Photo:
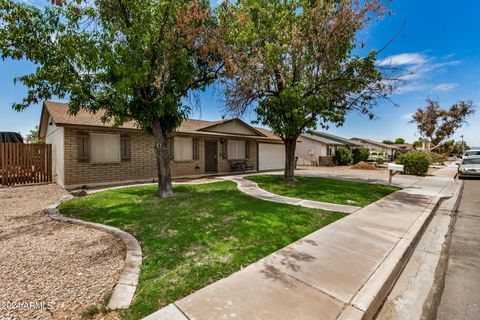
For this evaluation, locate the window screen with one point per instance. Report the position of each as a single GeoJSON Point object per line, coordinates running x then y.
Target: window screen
{"type": "Point", "coordinates": [183, 148]}
{"type": "Point", "coordinates": [104, 148]}
{"type": "Point", "coordinates": [236, 149]}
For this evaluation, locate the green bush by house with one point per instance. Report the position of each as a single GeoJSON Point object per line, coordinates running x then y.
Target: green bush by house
{"type": "Point", "coordinates": [438, 158]}
{"type": "Point", "coordinates": [343, 156]}
{"type": "Point", "coordinates": [380, 161]}
{"type": "Point", "coordinates": [360, 154]}
{"type": "Point", "coordinates": [415, 163]}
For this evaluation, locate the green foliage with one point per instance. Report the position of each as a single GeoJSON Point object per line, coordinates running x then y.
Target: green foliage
{"type": "Point", "coordinates": [90, 312]}
{"type": "Point", "coordinates": [460, 147]}
{"type": "Point", "coordinates": [417, 144]}
{"type": "Point", "coordinates": [360, 154]}
{"type": "Point", "coordinates": [135, 59]}
{"type": "Point", "coordinates": [300, 83]}
{"type": "Point", "coordinates": [202, 234]}
{"type": "Point", "coordinates": [325, 190]}
{"type": "Point", "coordinates": [437, 158]}
{"type": "Point", "coordinates": [294, 62]}
{"type": "Point", "coordinates": [343, 156]}
{"type": "Point", "coordinates": [380, 160]}
{"type": "Point", "coordinates": [399, 141]}
{"type": "Point", "coordinates": [33, 137]}
{"type": "Point", "coordinates": [415, 163]}
{"type": "Point", "coordinates": [438, 124]}
{"type": "Point", "coordinates": [388, 142]}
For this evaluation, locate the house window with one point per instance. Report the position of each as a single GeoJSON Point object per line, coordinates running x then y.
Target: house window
{"type": "Point", "coordinates": [183, 148]}
{"type": "Point", "coordinates": [236, 149]}
{"type": "Point", "coordinates": [330, 151]}
{"type": "Point", "coordinates": [104, 148]}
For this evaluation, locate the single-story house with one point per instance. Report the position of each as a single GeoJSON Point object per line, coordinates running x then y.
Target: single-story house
{"type": "Point", "coordinates": [88, 152]}
{"type": "Point", "coordinates": [319, 148]}
{"type": "Point", "coordinates": [375, 146]}
{"type": "Point", "coordinates": [10, 137]}
{"type": "Point", "coordinates": [405, 146]}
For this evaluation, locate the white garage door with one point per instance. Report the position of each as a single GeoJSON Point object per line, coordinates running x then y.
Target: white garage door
{"type": "Point", "coordinates": [271, 156]}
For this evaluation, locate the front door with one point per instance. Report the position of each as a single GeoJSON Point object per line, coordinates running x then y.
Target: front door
{"type": "Point", "coordinates": [210, 156]}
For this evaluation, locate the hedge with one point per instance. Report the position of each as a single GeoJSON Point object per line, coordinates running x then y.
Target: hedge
{"type": "Point", "coordinates": [360, 154]}
{"type": "Point", "coordinates": [415, 163]}
{"type": "Point", "coordinates": [343, 156]}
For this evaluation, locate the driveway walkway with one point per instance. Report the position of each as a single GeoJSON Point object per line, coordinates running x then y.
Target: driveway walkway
{"type": "Point", "coordinates": [50, 270]}
{"type": "Point", "coordinates": [342, 271]}
{"type": "Point", "coordinates": [252, 188]}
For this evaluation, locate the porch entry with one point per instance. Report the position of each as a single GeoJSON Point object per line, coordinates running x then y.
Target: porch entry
{"type": "Point", "coordinates": [210, 156]}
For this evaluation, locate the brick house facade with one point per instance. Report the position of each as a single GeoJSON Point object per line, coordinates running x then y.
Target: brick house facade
{"type": "Point", "coordinates": [72, 139]}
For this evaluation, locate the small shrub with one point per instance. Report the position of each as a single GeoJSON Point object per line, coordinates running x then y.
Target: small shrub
{"type": "Point", "coordinates": [360, 154]}
{"type": "Point", "coordinates": [415, 163]}
{"type": "Point", "coordinates": [437, 158]}
{"type": "Point", "coordinates": [380, 161]}
{"type": "Point", "coordinates": [343, 156]}
{"type": "Point", "coordinates": [90, 312]}
{"type": "Point", "coordinates": [399, 158]}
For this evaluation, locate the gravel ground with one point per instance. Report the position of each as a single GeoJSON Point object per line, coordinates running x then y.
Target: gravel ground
{"type": "Point", "coordinates": [65, 267]}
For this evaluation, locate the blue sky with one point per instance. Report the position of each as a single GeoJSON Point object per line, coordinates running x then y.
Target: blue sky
{"type": "Point", "coordinates": [439, 43]}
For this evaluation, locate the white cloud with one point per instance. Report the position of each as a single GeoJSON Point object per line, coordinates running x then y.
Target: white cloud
{"type": "Point", "coordinates": [404, 59]}
{"type": "Point", "coordinates": [407, 116]}
{"type": "Point", "coordinates": [411, 87]}
{"type": "Point", "coordinates": [417, 69]}
{"type": "Point", "coordinates": [445, 86]}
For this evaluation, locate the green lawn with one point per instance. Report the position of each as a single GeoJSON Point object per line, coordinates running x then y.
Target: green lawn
{"type": "Point", "coordinates": [326, 190]}
{"type": "Point", "coordinates": [202, 234]}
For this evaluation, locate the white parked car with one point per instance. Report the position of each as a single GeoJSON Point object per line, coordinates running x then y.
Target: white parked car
{"type": "Point", "coordinates": [469, 167]}
{"type": "Point", "coordinates": [471, 153]}
{"type": "Point", "coordinates": [374, 155]}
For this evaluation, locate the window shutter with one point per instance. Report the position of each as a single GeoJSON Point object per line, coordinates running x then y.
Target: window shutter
{"type": "Point", "coordinates": [247, 149]}
{"type": "Point", "coordinates": [125, 146]}
{"type": "Point", "coordinates": [171, 142]}
{"type": "Point", "coordinates": [83, 147]}
{"type": "Point", "coordinates": [225, 149]}
{"type": "Point", "coordinates": [196, 154]}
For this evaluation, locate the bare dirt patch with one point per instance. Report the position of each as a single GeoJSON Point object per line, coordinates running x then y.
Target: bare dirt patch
{"type": "Point", "coordinates": [51, 270]}
{"type": "Point", "coordinates": [364, 166]}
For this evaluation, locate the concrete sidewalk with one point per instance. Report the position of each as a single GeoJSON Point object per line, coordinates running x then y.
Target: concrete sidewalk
{"type": "Point", "coordinates": [252, 188]}
{"type": "Point", "coordinates": [342, 271]}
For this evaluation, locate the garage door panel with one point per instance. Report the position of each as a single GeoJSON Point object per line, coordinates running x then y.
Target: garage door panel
{"type": "Point", "coordinates": [271, 156]}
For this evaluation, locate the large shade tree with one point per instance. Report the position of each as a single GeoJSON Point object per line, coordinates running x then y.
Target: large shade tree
{"type": "Point", "coordinates": [436, 124]}
{"type": "Point", "coordinates": [293, 61]}
{"type": "Point", "coordinates": [137, 60]}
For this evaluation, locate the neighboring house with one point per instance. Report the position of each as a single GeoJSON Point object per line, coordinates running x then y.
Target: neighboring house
{"type": "Point", "coordinates": [375, 146]}
{"type": "Point", "coordinates": [87, 152]}
{"type": "Point", "coordinates": [405, 147]}
{"type": "Point", "coordinates": [10, 137]}
{"type": "Point", "coordinates": [319, 148]}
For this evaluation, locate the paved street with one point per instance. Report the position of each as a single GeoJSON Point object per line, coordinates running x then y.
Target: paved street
{"type": "Point", "coordinates": [461, 296]}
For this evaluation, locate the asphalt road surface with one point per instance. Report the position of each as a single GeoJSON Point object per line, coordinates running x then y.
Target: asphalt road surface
{"type": "Point", "coordinates": [461, 294]}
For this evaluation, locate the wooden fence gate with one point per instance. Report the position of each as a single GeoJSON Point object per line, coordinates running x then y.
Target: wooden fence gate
{"type": "Point", "coordinates": [25, 163]}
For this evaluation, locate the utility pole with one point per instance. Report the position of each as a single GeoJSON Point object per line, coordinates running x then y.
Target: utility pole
{"type": "Point", "coordinates": [463, 145]}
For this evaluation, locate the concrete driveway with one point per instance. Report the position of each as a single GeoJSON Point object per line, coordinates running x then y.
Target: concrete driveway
{"type": "Point", "coordinates": [346, 172]}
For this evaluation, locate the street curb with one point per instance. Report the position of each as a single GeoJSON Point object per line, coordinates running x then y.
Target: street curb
{"type": "Point", "coordinates": [441, 271]}
{"type": "Point", "coordinates": [366, 303]}
{"type": "Point", "coordinates": [124, 290]}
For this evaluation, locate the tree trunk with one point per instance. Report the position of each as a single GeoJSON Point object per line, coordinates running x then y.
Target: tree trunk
{"type": "Point", "coordinates": [162, 151]}
{"type": "Point", "coordinates": [289, 173]}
